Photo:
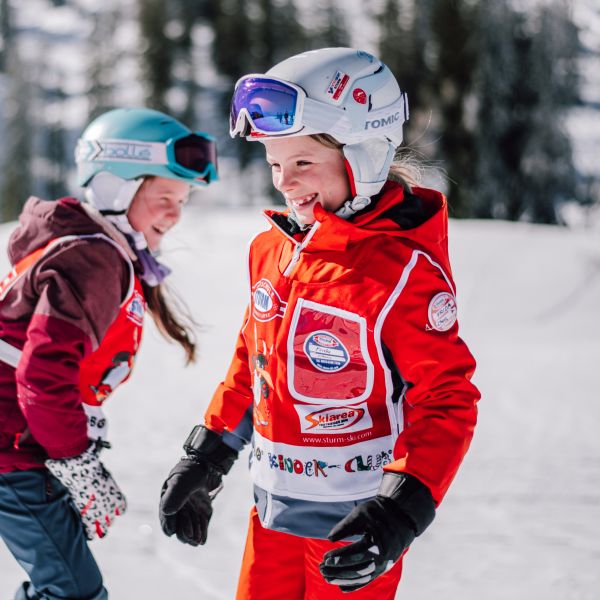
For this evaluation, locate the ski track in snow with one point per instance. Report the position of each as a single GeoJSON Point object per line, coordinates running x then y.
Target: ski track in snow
{"type": "Point", "coordinates": [522, 519]}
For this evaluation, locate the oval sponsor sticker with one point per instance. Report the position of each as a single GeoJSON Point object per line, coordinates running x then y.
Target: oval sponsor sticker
{"type": "Point", "coordinates": [319, 419]}
{"type": "Point", "coordinates": [326, 352]}
{"type": "Point", "coordinates": [442, 311]}
{"type": "Point", "coordinates": [336, 418]}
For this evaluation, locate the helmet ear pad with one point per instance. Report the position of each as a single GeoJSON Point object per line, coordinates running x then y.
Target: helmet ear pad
{"type": "Point", "coordinates": [368, 165]}
{"type": "Point", "coordinates": [111, 194]}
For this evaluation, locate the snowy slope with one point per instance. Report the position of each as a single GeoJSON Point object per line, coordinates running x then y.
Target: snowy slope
{"type": "Point", "coordinates": [522, 520]}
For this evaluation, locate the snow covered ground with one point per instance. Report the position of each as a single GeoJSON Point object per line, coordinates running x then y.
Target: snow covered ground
{"type": "Point", "coordinates": [522, 519]}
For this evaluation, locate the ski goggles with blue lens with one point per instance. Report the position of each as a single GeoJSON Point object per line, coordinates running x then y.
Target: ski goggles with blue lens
{"type": "Point", "coordinates": [268, 106]}
{"type": "Point", "coordinates": [191, 156]}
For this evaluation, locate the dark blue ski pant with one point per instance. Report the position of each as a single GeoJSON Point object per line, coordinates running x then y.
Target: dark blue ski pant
{"type": "Point", "coordinates": [43, 531]}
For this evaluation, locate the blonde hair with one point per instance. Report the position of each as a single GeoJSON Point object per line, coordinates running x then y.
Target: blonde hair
{"type": "Point", "coordinates": [405, 169]}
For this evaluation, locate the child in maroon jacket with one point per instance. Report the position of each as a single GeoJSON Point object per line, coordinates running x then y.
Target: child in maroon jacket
{"type": "Point", "coordinates": [71, 318]}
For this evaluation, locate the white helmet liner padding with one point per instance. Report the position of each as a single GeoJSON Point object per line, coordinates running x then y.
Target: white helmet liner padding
{"type": "Point", "coordinates": [370, 163]}
{"type": "Point", "coordinates": [108, 192]}
{"type": "Point", "coordinates": [111, 196]}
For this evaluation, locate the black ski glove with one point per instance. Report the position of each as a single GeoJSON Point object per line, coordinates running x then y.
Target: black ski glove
{"type": "Point", "coordinates": [187, 494]}
{"type": "Point", "coordinates": [388, 523]}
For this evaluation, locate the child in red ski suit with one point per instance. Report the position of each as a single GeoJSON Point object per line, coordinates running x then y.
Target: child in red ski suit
{"type": "Point", "coordinates": [349, 378]}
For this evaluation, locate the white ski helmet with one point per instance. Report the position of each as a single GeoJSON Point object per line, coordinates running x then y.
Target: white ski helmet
{"type": "Point", "coordinates": [346, 93]}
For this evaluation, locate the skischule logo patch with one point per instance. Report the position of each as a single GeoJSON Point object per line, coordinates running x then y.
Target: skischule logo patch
{"type": "Point", "coordinates": [326, 352]}
{"type": "Point", "coordinates": [266, 303]}
{"type": "Point", "coordinates": [136, 308]}
{"type": "Point", "coordinates": [442, 311]}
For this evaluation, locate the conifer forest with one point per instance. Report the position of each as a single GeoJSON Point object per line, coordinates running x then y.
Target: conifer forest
{"type": "Point", "coordinates": [503, 94]}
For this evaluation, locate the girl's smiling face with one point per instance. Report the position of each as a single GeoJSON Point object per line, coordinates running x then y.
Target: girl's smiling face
{"type": "Point", "coordinates": [156, 207]}
{"type": "Point", "coordinates": [306, 172]}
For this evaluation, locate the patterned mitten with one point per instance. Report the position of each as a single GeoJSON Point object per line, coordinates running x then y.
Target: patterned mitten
{"type": "Point", "coordinates": [92, 489]}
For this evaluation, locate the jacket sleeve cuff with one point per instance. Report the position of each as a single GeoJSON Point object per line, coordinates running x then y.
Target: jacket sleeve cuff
{"type": "Point", "coordinates": [68, 451]}
{"type": "Point", "coordinates": [411, 497]}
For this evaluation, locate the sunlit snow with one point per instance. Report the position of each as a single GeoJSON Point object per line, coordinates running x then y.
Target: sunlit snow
{"type": "Point", "coordinates": [522, 519]}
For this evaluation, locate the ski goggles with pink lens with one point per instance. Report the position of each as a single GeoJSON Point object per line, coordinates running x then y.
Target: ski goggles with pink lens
{"type": "Point", "coordinates": [194, 155]}
{"type": "Point", "coordinates": [191, 156]}
{"type": "Point", "coordinates": [267, 106]}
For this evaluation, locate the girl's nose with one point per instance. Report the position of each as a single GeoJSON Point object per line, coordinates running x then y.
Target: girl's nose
{"type": "Point", "coordinates": [286, 180]}
{"type": "Point", "coordinates": [174, 211]}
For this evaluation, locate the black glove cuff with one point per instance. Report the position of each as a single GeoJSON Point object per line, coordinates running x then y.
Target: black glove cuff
{"type": "Point", "coordinates": [205, 445]}
{"type": "Point", "coordinates": [411, 497]}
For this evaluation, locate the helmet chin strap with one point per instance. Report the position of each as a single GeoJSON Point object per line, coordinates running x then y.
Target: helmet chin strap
{"type": "Point", "coordinates": [112, 196]}
{"type": "Point", "coordinates": [368, 164]}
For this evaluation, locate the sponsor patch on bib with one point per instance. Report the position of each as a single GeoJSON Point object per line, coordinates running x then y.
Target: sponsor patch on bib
{"type": "Point", "coordinates": [331, 420]}
{"type": "Point", "coordinates": [325, 352]}
{"type": "Point", "coordinates": [442, 311]}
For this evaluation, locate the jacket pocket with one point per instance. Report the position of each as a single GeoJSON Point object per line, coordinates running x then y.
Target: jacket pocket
{"type": "Point", "coordinates": [328, 357]}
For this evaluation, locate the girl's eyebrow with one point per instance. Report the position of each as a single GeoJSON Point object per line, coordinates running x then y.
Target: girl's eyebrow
{"type": "Point", "coordinates": [298, 155]}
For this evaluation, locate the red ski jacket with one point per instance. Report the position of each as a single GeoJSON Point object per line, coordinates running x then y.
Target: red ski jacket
{"type": "Point", "coordinates": [349, 360]}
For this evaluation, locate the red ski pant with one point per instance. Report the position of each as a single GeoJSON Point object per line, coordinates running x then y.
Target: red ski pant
{"type": "Point", "coordinates": [280, 566]}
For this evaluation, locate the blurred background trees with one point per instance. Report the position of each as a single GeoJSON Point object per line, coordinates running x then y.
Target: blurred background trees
{"type": "Point", "coordinates": [499, 95]}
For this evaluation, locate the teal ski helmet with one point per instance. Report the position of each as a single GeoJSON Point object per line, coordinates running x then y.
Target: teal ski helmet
{"type": "Point", "coordinates": [135, 142]}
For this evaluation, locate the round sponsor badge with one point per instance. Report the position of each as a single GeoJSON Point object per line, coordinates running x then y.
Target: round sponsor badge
{"type": "Point", "coordinates": [266, 304]}
{"type": "Point", "coordinates": [359, 96]}
{"type": "Point", "coordinates": [326, 352]}
{"type": "Point", "coordinates": [442, 311]}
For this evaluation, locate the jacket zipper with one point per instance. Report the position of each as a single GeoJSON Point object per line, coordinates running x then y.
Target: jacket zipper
{"type": "Point", "coordinates": [299, 247]}
{"type": "Point", "coordinates": [295, 259]}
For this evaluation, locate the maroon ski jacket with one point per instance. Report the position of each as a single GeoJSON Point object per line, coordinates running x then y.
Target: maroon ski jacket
{"type": "Point", "coordinates": [57, 313]}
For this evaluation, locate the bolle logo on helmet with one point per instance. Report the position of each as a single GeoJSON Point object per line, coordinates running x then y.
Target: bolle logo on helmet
{"type": "Point", "coordinates": [384, 122]}
{"type": "Point", "coordinates": [115, 150]}
{"type": "Point", "coordinates": [124, 151]}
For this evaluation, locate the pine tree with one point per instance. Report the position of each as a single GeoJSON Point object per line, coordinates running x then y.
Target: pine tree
{"type": "Point", "coordinates": [277, 33]}
{"type": "Point", "coordinates": [232, 53]}
{"type": "Point", "coordinates": [548, 164]}
{"type": "Point", "coordinates": [103, 57]}
{"type": "Point", "coordinates": [403, 45]}
{"type": "Point", "coordinates": [157, 52]}
{"type": "Point", "coordinates": [330, 29]}
{"type": "Point", "coordinates": [18, 133]}
{"type": "Point", "coordinates": [251, 36]}
{"type": "Point", "coordinates": [524, 166]}
{"type": "Point", "coordinates": [58, 158]}
{"type": "Point", "coordinates": [6, 33]}
{"type": "Point", "coordinates": [452, 26]}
